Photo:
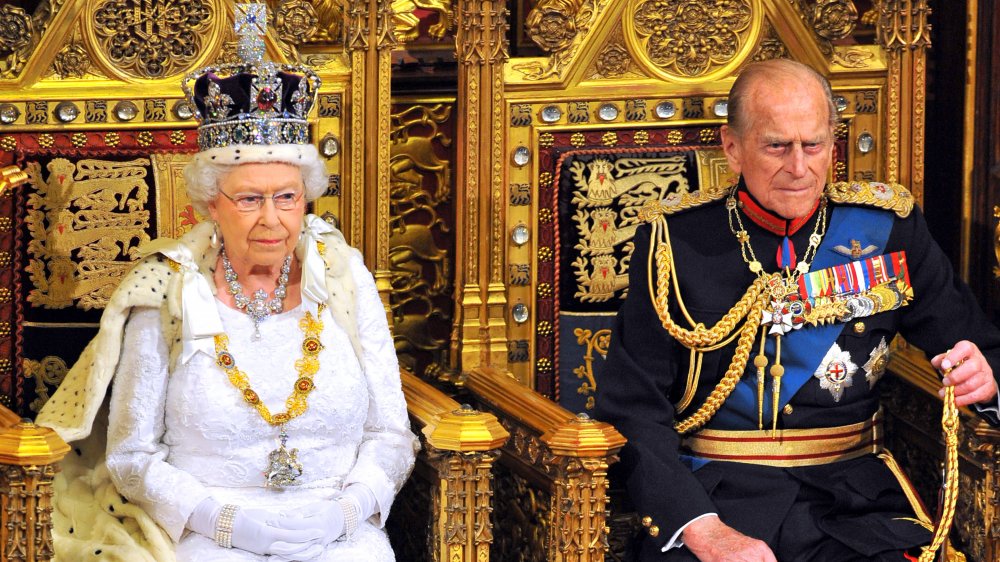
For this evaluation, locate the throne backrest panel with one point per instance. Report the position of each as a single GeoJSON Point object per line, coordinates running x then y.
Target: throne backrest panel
{"type": "Point", "coordinates": [608, 102]}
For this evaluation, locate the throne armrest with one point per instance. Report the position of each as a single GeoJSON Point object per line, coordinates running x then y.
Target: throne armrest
{"type": "Point", "coordinates": [453, 475]}
{"type": "Point", "coordinates": [555, 454]}
{"type": "Point", "coordinates": [29, 460]}
{"type": "Point", "coordinates": [914, 435]}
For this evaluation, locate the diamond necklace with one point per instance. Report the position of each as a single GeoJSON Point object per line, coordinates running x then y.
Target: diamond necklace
{"type": "Point", "coordinates": [257, 306]}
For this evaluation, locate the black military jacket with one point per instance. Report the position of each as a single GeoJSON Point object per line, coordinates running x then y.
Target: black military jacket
{"type": "Point", "coordinates": [646, 370]}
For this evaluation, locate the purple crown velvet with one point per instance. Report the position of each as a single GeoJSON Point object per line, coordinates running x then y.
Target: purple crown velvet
{"type": "Point", "coordinates": [261, 104]}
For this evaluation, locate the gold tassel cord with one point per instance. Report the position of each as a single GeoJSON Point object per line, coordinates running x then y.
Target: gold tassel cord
{"type": "Point", "coordinates": [761, 362]}
{"type": "Point", "coordinates": [729, 380]}
{"type": "Point", "coordinates": [699, 336]}
{"type": "Point", "coordinates": [949, 423]}
{"type": "Point", "coordinates": [750, 307]}
{"type": "Point", "coordinates": [777, 371]}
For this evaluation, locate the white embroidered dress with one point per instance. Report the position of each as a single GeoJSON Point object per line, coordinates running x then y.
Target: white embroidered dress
{"type": "Point", "coordinates": [178, 437]}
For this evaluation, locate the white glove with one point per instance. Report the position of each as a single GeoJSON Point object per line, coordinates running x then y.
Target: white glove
{"type": "Point", "coordinates": [332, 515]}
{"type": "Point", "coordinates": [261, 532]}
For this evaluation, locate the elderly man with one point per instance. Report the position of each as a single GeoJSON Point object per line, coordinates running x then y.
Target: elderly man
{"type": "Point", "coordinates": [744, 365]}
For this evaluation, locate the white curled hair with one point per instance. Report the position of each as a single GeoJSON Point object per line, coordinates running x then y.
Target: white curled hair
{"type": "Point", "coordinates": [204, 173]}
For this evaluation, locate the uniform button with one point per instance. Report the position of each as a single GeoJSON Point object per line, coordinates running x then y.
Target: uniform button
{"type": "Point", "coordinates": [654, 531]}
{"type": "Point", "coordinates": [788, 409]}
{"type": "Point", "coordinates": [859, 327]}
{"type": "Point", "coordinates": [647, 521]}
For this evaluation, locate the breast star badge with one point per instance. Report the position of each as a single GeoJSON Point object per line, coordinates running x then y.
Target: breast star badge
{"type": "Point", "coordinates": [836, 372]}
{"type": "Point", "coordinates": [877, 361]}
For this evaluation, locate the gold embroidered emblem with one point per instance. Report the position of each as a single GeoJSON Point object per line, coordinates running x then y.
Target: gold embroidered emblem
{"type": "Point", "coordinates": [855, 252]}
{"type": "Point", "coordinates": [83, 219]}
{"type": "Point", "coordinates": [593, 342]}
{"type": "Point", "coordinates": [888, 196]}
{"type": "Point", "coordinates": [48, 373]}
{"type": "Point", "coordinates": [611, 198]}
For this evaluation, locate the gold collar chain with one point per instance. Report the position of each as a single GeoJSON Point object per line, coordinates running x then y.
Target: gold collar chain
{"type": "Point", "coordinates": [741, 234]}
{"type": "Point", "coordinates": [784, 312]}
{"type": "Point", "coordinates": [283, 466]}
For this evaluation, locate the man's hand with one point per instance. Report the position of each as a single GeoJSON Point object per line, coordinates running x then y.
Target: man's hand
{"type": "Point", "coordinates": [970, 374]}
{"type": "Point", "coordinates": [710, 539]}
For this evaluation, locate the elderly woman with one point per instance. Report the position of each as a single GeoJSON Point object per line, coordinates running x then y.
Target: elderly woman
{"type": "Point", "coordinates": [256, 410]}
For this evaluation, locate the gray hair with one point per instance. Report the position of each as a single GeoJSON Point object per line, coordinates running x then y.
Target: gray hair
{"type": "Point", "coordinates": [204, 173]}
{"type": "Point", "coordinates": [770, 69]}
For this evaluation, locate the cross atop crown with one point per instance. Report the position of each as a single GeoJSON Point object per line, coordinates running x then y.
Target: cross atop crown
{"type": "Point", "coordinates": [251, 26]}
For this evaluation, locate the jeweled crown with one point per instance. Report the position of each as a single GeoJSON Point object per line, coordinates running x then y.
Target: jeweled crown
{"type": "Point", "coordinates": [255, 102]}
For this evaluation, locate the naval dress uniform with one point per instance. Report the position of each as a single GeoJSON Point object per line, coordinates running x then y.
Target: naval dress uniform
{"type": "Point", "coordinates": [825, 497]}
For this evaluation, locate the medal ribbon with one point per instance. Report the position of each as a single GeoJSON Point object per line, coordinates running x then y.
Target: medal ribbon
{"type": "Point", "coordinates": [799, 354]}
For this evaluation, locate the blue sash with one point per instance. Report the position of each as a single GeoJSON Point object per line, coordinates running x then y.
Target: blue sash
{"type": "Point", "coordinates": [803, 349]}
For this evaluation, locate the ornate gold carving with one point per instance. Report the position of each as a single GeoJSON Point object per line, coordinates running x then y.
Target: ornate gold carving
{"type": "Point", "coordinates": [579, 534]}
{"type": "Point", "coordinates": [357, 26]}
{"type": "Point", "coordinates": [385, 37]}
{"type": "Point", "coordinates": [420, 182]}
{"type": "Point", "coordinates": [903, 24]}
{"type": "Point", "coordinates": [17, 32]}
{"type": "Point", "coordinates": [771, 46]}
{"type": "Point", "coordinates": [72, 61]}
{"type": "Point", "coordinates": [330, 20]}
{"type": "Point", "coordinates": [83, 218]}
{"type": "Point", "coordinates": [48, 373]}
{"type": "Point", "coordinates": [614, 60]}
{"type": "Point", "coordinates": [558, 26]}
{"type": "Point", "coordinates": [523, 512]}
{"type": "Point", "coordinates": [690, 40]}
{"type": "Point", "coordinates": [853, 57]}
{"type": "Point", "coordinates": [296, 21]}
{"type": "Point", "coordinates": [829, 19]}
{"type": "Point", "coordinates": [406, 21]}
{"type": "Point", "coordinates": [152, 39]}
{"type": "Point", "coordinates": [27, 514]}
{"type": "Point", "coordinates": [917, 126]}
{"type": "Point", "coordinates": [551, 24]}
{"type": "Point", "coordinates": [592, 341]}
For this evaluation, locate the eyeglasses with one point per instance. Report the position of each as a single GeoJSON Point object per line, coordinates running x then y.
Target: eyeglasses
{"type": "Point", "coordinates": [284, 201]}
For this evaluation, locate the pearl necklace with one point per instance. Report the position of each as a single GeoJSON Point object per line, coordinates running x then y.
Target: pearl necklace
{"type": "Point", "coordinates": [257, 307]}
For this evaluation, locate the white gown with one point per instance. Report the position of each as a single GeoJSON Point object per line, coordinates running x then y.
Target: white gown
{"type": "Point", "coordinates": [178, 438]}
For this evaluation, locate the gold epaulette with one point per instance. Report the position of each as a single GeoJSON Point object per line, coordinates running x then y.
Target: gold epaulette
{"type": "Point", "coordinates": [676, 202]}
{"type": "Point", "coordinates": [888, 196]}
